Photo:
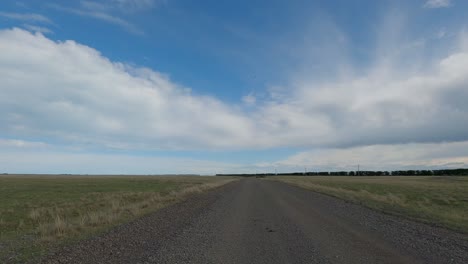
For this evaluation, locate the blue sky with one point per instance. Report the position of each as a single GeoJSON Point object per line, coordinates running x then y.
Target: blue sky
{"type": "Point", "coordinates": [223, 86]}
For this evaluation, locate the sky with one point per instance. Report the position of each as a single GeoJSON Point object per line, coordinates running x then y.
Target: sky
{"type": "Point", "coordinates": [178, 87]}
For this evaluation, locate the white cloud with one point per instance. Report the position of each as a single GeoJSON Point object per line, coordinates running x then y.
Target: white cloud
{"type": "Point", "coordinates": [249, 99]}
{"type": "Point", "coordinates": [69, 91]}
{"type": "Point", "coordinates": [381, 157]}
{"type": "Point", "coordinates": [438, 3]}
{"type": "Point", "coordinates": [25, 17]}
{"type": "Point", "coordinates": [401, 95]}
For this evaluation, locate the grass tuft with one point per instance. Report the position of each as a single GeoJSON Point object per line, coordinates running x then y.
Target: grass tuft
{"type": "Point", "coordinates": [35, 214]}
{"type": "Point", "coordinates": [60, 226]}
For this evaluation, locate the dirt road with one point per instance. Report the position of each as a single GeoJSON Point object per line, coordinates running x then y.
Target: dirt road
{"type": "Point", "coordinates": [261, 221]}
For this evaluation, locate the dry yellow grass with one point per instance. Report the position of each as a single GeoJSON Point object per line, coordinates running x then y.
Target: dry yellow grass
{"type": "Point", "coordinates": [52, 224]}
{"type": "Point", "coordinates": [52, 209]}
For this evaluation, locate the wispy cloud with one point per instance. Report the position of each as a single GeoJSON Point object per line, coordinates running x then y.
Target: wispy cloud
{"type": "Point", "coordinates": [136, 4]}
{"type": "Point", "coordinates": [26, 17]}
{"type": "Point", "coordinates": [100, 12]}
{"type": "Point", "coordinates": [21, 4]}
{"type": "Point", "coordinates": [125, 6]}
{"type": "Point", "coordinates": [21, 144]}
{"type": "Point", "coordinates": [249, 99]}
{"type": "Point", "coordinates": [110, 19]}
{"type": "Point", "coordinates": [39, 29]}
{"type": "Point", "coordinates": [438, 3]}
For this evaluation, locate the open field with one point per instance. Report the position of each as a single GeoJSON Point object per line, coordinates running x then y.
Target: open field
{"type": "Point", "coordinates": [441, 200]}
{"type": "Point", "coordinates": [41, 211]}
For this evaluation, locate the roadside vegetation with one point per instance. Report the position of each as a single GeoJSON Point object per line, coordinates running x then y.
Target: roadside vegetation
{"type": "Point", "coordinates": [440, 200]}
{"type": "Point", "coordinates": [40, 212]}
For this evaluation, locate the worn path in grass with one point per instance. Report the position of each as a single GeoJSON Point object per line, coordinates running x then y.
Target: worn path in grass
{"type": "Point", "coordinates": [260, 221]}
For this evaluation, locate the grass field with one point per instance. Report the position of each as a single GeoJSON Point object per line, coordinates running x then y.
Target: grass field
{"type": "Point", "coordinates": [40, 212]}
{"type": "Point", "coordinates": [441, 200]}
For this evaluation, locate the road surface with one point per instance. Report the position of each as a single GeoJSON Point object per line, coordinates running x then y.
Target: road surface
{"type": "Point", "coordinates": [263, 221]}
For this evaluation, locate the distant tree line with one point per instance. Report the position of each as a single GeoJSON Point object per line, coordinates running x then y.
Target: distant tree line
{"type": "Point", "coordinates": [446, 172]}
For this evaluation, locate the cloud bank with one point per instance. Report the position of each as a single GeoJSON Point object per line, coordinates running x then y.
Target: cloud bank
{"type": "Point", "coordinates": [378, 157]}
{"type": "Point", "coordinates": [67, 91]}
{"type": "Point", "coordinates": [70, 93]}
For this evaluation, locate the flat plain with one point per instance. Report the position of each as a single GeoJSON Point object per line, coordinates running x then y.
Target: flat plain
{"type": "Point", "coordinates": [283, 219]}
{"type": "Point", "coordinates": [262, 221]}
{"type": "Point", "coordinates": [39, 212]}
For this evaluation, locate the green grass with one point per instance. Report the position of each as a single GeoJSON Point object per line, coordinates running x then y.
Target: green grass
{"type": "Point", "coordinates": [41, 212]}
{"type": "Point", "coordinates": [432, 199]}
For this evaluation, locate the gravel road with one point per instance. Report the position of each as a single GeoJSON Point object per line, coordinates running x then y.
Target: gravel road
{"type": "Point", "coordinates": [262, 221]}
